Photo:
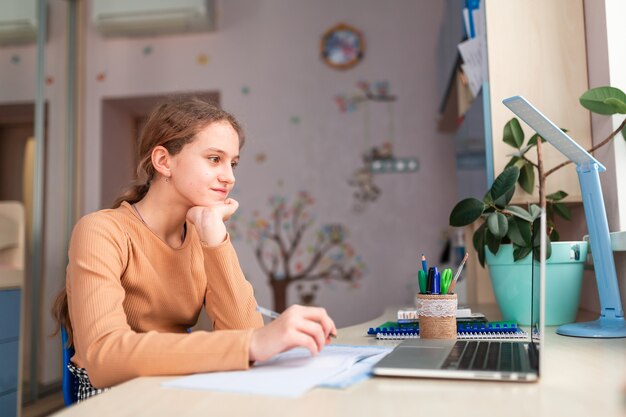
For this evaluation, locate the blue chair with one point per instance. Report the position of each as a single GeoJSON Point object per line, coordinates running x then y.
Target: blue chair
{"type": "Point", "coordinates": [70, 383]}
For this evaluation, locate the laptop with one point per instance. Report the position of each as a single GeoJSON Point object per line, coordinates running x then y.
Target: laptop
{"type": "Point", "coordinates": [514, 360]}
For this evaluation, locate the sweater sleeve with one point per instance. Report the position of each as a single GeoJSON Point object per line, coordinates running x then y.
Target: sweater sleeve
{"type": "Point", "coordinates": [105, 344]}
{"type": "Point", "coordinates": [229, 299]}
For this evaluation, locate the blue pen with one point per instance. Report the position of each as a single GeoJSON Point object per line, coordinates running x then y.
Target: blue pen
{"type": "Point", "coordinates": [436, 289]}
{"type": "Point", "coordinates": [424, 265]}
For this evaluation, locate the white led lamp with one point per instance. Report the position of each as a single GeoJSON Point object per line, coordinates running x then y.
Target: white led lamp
{"type": "Point", "coordinates": [611, 322]}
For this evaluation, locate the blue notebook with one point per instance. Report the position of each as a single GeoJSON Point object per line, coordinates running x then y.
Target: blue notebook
{"type": "Point", "coordinates": [468, 330]}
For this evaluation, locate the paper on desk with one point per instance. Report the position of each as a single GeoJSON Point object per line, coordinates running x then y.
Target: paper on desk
{"type": "Point", "coordinates": [357, 372]}
{"type": "Point", "coordinates": [288, 374]}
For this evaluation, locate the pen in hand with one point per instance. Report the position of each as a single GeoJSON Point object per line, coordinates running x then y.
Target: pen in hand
{"type": "Point", "coordinates": [274, 315]}
{"type": "Point", "coordinates": [267, 312]}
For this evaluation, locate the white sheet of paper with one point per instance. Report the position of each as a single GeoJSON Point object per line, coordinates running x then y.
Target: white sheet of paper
{"type": "Point", "coordinates": [472, 63]}
{"type": "Point", "coordinates": [357, 372]}
{"type": "Point", "coordinates": [288, 374]}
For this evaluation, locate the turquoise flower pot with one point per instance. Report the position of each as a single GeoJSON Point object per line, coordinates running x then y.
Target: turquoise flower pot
{"type": "Point", "coordinates": [512, 282]}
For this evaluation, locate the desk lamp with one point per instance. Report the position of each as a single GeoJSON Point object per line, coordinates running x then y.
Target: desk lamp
{"type": "Point", "coordinates": [611, 323]}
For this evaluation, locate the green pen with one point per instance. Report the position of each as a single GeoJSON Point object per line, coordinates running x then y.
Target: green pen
{"type": "Point", "coordinates": [421, 280]}
{"type": "Point", "coordinates": [446, 280]}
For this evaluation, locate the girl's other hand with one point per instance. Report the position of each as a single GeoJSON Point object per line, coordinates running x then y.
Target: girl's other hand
{"type": "Point", "coordinates": [298, 326]}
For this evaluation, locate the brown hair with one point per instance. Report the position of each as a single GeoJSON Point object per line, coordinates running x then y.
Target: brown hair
{"type": "Point", "coordinates": [172, 124]}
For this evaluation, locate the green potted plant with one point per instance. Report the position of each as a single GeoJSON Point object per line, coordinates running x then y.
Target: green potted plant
{"type": "Point", "coordinates": [503, 239]}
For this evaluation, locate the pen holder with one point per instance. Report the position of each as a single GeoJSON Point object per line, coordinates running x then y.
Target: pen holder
{"type": "Point", "coordinates": [437, 315]}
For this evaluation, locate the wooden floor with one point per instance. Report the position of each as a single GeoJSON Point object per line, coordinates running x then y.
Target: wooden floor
{"type": "Point", "coordinates": [44, 406]}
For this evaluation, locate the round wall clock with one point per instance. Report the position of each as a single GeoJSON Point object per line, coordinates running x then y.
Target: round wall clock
{"type": "Point", "coordinates": [342, 46]}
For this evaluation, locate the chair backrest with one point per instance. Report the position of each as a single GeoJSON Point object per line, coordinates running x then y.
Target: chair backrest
{"type": "Point", "coordinates": [70, 382]}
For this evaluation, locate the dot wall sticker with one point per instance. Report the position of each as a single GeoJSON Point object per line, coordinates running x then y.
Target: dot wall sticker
{"type": "Point", "coordinates": [245, 90]}
{"type": "Point", "coordinates": [49, 80]}
{"type": "Point", "coordinates": [260, 158]}
{"type": "Point", "coordinates": [15, 59]}
{"type": "Point", "coordinates": [147, 50]}
{"type": "Point", "coordinates": [202, 59]}
{"type": "Point", "coordinates": [101, 76]}
{"type": "Point", "coordinates": [295, 120]}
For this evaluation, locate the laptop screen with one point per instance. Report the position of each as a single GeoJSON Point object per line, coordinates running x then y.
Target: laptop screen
{"type": "Point", "coordinates": [537, 306]}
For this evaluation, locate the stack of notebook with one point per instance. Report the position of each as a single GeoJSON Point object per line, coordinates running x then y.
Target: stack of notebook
{"type": "Point", "coordinates": [465, 330]}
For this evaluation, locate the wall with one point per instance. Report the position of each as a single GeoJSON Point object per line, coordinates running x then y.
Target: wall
{"type": "Point", "coordinates": [263, 60]}
{"type": "Point", "coordinates": [116, 150]}
{"type": "Point", "coordinates": [286, 79]}
{"type": "Point", "coordinates": [607, 66]}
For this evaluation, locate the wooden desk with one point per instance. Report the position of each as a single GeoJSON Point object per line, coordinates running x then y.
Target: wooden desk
{"type": "Point", "coordinates": [582, 377]}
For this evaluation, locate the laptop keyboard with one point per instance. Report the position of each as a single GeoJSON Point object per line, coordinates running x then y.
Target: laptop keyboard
{"type": "Point", "coordinates": [484, 355]}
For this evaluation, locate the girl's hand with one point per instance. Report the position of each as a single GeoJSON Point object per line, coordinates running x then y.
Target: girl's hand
{"type": "Point", "coordinates": [209, 220]}
{"type": "Point", "coordinates": [298, 326]}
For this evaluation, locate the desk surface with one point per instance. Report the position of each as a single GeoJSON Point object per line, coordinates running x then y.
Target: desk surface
{"type": "Point", "coordinates": [581, 377]}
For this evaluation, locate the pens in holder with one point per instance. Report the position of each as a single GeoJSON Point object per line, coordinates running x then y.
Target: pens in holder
{"type": "Point", "coordinates": [429, 280]}
{"type": "Point", "coordinates": [458, 273]}
{"type": "Point", "coordinates": [274, 315]}
{"type": "Point", "coordinates": [446, 280]}
{"type": "Point", "coordinates": [422, 281]}
{"type": "Point", "coordinates": [436, 283]}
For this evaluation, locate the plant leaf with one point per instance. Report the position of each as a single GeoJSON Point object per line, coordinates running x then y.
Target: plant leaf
{"type": "Point", "coordinates": [527, 178]}
{"type": "Point", "coordinates": [537, 249]}
{"type": "Point", "coordinates": [493, 243]}
{"type": "Point", "coordinates": [519, 212]}
{"type": "Point", "coordinates": [533, 139]}
{"type": "Point", "coordinates": [520, 252]}
{"type": "Point", "coordinates": [619, 105]}
{"type": "Point", "coordinates": [466, 211]}
{"type": "Point", "coordinates": [479, 243]}
{"type": "Point", "coordinates": [498, 224]}
{"type": "Point", "coordinates": [595, 100]}
{"type": "Point", "coordinates": [521, 231]}
{"type": "Point", "coordinates": [514, 232]}
{"type": "Point", "coordinates": [554, 235]}
{"type": "Point", "coordinates": [562, 210]}
{"type": "Point", "coordinates": [520, 152]}
{"type": "Point", "coordinates": [559, 195]}
{"type": "Point", "coordinates": [534, 211]}
{"type": "Point", "coordinates": [505, 181]}
{"type": "Point", "coordinates": [505, 199]}
{"type": "Point", "coordinates": [487, 198]}
{"type": "Point", "coordinates": [513, 134]}
{"type": "Point", "coordinates": [548, 247]}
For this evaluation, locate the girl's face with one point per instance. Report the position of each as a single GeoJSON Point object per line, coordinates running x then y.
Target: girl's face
{"type": "Point", "coordinates": [202, 172]}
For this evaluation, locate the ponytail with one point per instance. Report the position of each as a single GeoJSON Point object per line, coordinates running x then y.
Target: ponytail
{"type": "Point", "coordinates": [61, 314]}
{"type": "Point", "coordinates": [133, 194]}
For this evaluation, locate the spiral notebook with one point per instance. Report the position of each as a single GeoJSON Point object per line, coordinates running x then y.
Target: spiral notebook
{"type": "Point", "coordinates": [477, 330]}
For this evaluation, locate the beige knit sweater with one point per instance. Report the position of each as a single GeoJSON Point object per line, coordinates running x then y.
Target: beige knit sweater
{"type": "Point", "coordinates": [132, 297]}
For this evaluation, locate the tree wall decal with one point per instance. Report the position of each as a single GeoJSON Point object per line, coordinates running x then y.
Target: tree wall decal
{"type": "Point", "coordinates": [287, 256]}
